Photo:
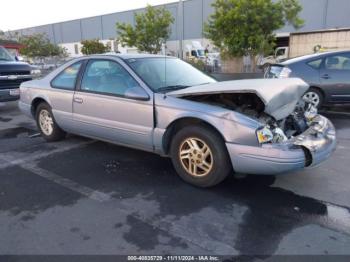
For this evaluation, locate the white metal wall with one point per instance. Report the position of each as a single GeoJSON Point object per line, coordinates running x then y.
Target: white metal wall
{"type": "Point", "coordinates": [318, 14]}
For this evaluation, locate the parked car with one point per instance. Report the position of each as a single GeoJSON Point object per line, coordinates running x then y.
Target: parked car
{"type": "Point", "coordinates": [12, 74]}
{"type": "Point", "coordinates": [328, 75]}
{"type": "Point", "coordinates": [166, 106]}
{"type": "Point", "coordinates": [45, 66]}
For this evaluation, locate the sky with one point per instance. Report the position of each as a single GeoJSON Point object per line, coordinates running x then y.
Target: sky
{"type": "Point", "coordinates": [19, 14]}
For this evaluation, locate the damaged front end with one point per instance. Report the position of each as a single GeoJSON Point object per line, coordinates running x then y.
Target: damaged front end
{"type": "Point", "coordinates": [303, 138]}
{"type": "Point", "coordinates": [307, 149]}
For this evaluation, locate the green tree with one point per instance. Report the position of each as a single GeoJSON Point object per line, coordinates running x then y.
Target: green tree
{"type": "Point", "coordinates": [14, 36]}
{"type": "Point", "coordinates": [39, 46]}
{"type": "Point", "coordinates": [246, 27]}
{"type": "Point", "coordinates": [151, 30]}
{"type": "Point", "coordinates": [93, 46]}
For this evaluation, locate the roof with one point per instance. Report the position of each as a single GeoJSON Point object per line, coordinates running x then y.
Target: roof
{"type": "Point", "coordinates": [136, 56]}
{"type": "Point", "coordinates": [312, 56]}
{"type": "Point", "coordinates": [330, 30]}
{"type": "Point", "coordinates": [124, 56]}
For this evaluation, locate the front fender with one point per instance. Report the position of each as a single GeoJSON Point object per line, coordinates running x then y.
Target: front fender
{"type": "Point", "coordinates": [233, 126]}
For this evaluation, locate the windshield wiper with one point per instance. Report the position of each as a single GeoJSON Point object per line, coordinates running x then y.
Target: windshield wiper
{"type": "Point", "coordinates": [171, 88]}
{"type": "Point", "coordinates": [204, 84]}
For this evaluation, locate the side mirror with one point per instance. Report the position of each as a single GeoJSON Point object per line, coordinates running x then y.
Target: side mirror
{"type": "Point", "coordinates": [137, 93]}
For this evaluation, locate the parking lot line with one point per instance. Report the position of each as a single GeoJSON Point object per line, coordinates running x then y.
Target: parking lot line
{"type": "Point", "coordinates": [29, 164]}
{"type": "Point", "coordinates": [163, 225]}
{"type": "Point", "coordinates": [67, 183]}
{"type": "Point", "coordinates": [9, 161]}
{"type": "Point", "coordinates": [34, 135]}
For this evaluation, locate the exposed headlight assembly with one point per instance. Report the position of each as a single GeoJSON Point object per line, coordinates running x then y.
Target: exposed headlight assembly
{"type": "Point", "coordinates": [310, 113]}
{"type": "Point", "coordinates": [264, 135]}
{"type": "Point", "coordinates": [320, 126]}
{"type": "Point", "coordinates": [279, 136]}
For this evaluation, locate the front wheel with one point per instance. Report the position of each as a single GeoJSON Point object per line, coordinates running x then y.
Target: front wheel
{"type": "Point", "coordinates": [199, 156]}
{"type": "Point", "coordinates": [49, 129]}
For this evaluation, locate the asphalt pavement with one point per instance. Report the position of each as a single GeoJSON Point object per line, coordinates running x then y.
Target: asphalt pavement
{"type": "Point", "coordinates": [81, 196]}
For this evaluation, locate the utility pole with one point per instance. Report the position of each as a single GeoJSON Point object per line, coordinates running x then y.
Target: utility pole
{"type": "Point", "coordinates": [180, 26]}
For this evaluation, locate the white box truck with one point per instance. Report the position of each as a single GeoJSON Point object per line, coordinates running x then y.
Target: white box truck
{"type": "Point", "coordinates": [304, 43]}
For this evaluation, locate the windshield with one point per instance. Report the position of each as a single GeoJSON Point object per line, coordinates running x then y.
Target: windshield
{"type": "Point", "coordinates": [5, 55]}
{"type": "Point", "coordinates": [167, 74]}
{"type": "Point", "coordinates": [201, 52]}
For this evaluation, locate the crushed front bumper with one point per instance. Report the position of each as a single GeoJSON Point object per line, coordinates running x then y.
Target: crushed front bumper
{"type": "Point", "coordinates": [310, 148]}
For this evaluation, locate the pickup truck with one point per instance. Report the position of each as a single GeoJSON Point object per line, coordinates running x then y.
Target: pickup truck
{"type": "Point", "coordinates": [280, 55]}
{"type": "Point", "coordinates": [12, 74]}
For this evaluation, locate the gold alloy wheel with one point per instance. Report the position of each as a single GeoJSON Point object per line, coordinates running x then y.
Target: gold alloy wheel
{"type": "Point", "coordinates": [196, 157]}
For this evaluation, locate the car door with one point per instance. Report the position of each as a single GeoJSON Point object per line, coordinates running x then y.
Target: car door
{"type": "Point", "coordinates": [335, 77]}
{"type": "Point", "coordinates": [101, 108]}
{"type": "Point", "coordinates": [61, 95]}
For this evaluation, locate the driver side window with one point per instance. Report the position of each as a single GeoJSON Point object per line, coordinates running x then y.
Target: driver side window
{"type": "Point", "coordinates": [107, 77]}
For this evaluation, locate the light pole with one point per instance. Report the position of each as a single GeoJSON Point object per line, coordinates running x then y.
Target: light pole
{"type": "Point", "coordinates": [180, 26]}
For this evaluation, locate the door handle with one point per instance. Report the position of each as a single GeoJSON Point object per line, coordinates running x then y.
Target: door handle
{"type": "Point", "coordinates": [326, 76]}
{"type": "Point", "coordinates": [78, 100]}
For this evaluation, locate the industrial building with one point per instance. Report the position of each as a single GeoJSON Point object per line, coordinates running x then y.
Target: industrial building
{"type": "Point", "coordinates": [188, 26]}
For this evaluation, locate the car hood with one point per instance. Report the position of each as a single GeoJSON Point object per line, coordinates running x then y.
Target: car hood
{"type": "Point", "coordinates": [13, 66]}
{"type": "Point", "coordinates": [279, 96]}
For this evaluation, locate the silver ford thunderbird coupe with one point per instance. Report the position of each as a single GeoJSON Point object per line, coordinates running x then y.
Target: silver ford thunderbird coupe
{"type": "Point", "coordinates": [164, 105]}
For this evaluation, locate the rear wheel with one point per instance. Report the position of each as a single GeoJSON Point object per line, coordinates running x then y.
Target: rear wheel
{"type": "Point", "coordinates": [314, 97]}
{"type": "Point", "coordinates": [200, 156]}
{"type": "Point", "coordinates": [49, 129]}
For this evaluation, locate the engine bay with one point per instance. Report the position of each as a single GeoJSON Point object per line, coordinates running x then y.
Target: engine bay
{"type": "Point", "coordinates": [251, 105]}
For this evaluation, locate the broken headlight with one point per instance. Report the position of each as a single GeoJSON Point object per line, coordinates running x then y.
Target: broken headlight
{"type": "Point", "coordinates": [264, 135]}
{"type": "Point", "coordinates": [320, 126]}
{"type": "Point", "coordinates": [310, 113]}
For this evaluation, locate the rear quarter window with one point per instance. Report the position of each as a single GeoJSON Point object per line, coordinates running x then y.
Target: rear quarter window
{"type": "Point", "coordinates": [67, 78]}
{"type": "Point", "coordinates": [315, 64]}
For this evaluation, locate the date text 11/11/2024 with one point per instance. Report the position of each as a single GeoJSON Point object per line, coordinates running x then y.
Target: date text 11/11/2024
{"type": "Point", "coordinates": [173, 258]}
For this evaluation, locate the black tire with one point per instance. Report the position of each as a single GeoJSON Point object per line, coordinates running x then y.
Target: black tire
{"type": "Point", "coordinates": [221, 164]}
{"type": "Point", "coordinates": [57, 133]}
{"type": "Point", "coordinates": [318, 93]}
